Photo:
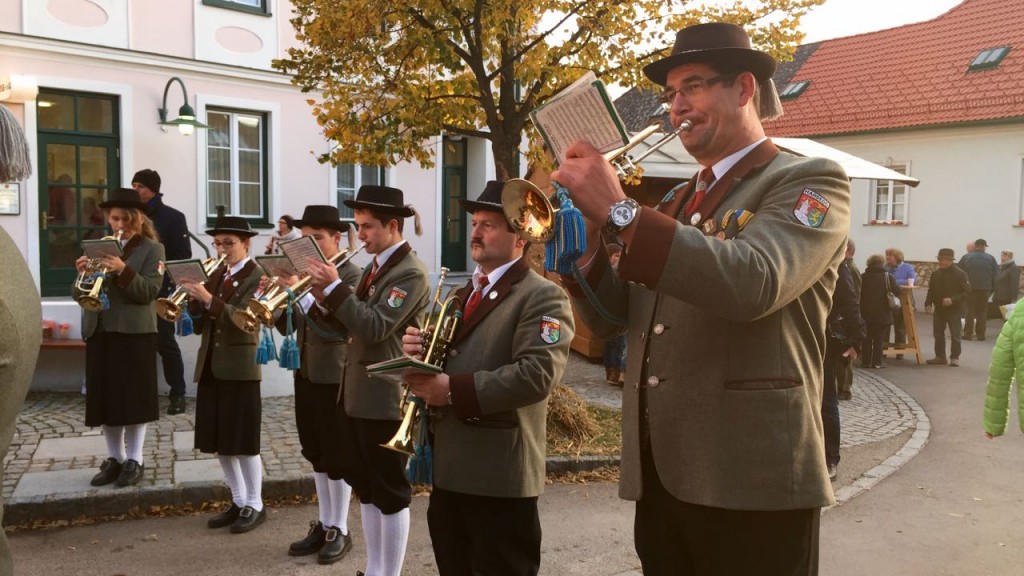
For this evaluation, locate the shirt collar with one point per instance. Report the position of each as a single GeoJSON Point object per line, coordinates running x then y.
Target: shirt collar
{"type": "Point", "coordinates": [726, 164]}
{"type": "Point", "coordinates": [492, 278]}
{"type": "Point", "coordinates": [238, 267]}
{"type": "Point", "coordinates": [382, 258]}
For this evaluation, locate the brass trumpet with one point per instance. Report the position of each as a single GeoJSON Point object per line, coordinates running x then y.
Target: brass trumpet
{"type": "Point", "coordinates": [261, 307]}
{"type": "Point", "coordinates": [531, 213]}
{"type": "Point", "coordinates": [91, 301]}
{"type": "Point", "coordinates": [170, 308]}
{"type": "Point", "coordinates": [440, 336]}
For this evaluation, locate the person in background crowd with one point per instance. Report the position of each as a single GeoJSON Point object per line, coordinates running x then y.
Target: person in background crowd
{"type": "Point", "coordinates": [725, 287]}
{"type": "Point", "coordinates": [286, 231]}
{"type": "Point", "coordinates": [845, 329]}
{"type": "Point", "coordinates": [905, 275]}
{"type": "Point", "coordinates": [1007, 289]}
{"type": "Point", "coordinates": [874, 308]}
{"type": "Point", "coordinates": [615, 347]}
{"type": "Point", "coordinates": [121, 340]}
{"type": "Point", "coordinates": [948, 289]}
{"type": "Point", "coordinates": [228, 404]}
{"type": "Point", "coordinates": [981, 269]}
{"type": "Point", "coordinates": [1007, 362]}
{"type": "Point", "coordinates": [172, 231]}
{"type": "Point", "coordinates": [844, 363]}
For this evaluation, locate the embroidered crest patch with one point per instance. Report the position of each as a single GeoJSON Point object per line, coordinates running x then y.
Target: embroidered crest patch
{"type": "Point", "coordinates": [397, 297]}
{"type": "Point", "coordinates": [550, 329]}
{"type": "Point", "coordinates": [811, 208]}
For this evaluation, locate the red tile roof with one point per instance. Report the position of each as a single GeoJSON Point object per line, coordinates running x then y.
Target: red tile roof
{"type": "Point", "coordinates": [912, 76]}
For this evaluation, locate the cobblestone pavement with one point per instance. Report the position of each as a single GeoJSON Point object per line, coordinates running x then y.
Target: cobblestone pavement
{"type": "Point", "coordinates": [48, 420]}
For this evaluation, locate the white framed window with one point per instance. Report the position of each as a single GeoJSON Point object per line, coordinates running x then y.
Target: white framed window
{"type": "Point", "coordinates": [350, 177]}
{"type": "Point", "coordinates": [889, 199]}
{"type": "Point", "coordinates": [253, 6]}
{"type": "Point", "coordinates": [236, 159]}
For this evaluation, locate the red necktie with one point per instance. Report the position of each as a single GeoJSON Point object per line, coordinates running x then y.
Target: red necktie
{"type": "Point", "coordinates": [704, 181]}
{"type": "Point", "coordinates": [373, 272]}
{"type": "Point", "coordinates": [474, 299]}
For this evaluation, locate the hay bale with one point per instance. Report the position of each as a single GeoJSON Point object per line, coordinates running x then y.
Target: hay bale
{"type": "Point", "coordinates": [568, 416]}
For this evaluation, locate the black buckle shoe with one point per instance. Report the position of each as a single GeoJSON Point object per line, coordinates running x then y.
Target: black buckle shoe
{"type": "Point", "coordinates": [131, 473]}
{"type": "Point", "coordinates": [248, 519]}
{"type": "Point", "coordinates": [225, 518]}
{"type": "Point", "coordinates": [177, 405]}
{"type": "Point", "coordinates": [312, 543]}
{"type": "Point", "coordinates": [109, 472]}
{"type": "Point", "coordinates": [336, 546]}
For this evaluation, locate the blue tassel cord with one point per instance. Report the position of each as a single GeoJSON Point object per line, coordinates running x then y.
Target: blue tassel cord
{"type": "Point", "coordinates": [289, 347]}
{"type": "Point", "coordinates": [570, 241]}
{"type": "Point", "coordinates": [185, 327]}
{"type": "Point", "coordinates": [267, 350]}
{"type": "Point", "coordinates": [421, 464]}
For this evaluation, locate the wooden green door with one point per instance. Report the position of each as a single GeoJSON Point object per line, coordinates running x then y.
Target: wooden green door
{"type": "Point", "coordinates": [453, 217]}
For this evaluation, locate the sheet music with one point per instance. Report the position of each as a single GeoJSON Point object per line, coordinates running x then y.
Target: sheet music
{"type": "Point", "coordinates": [583, 111]}
{"type": "Point", "coordinates": [277, 265]}
{"type": "Point", "coordinates": [300, 251]}
{"type": "Point", "coordinates": [102, 247]}
{"type": "Point", "coordinates": [182, 270]}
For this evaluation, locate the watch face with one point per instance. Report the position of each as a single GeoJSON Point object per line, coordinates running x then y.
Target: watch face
{"type": "Point", "coordinates": [621, 214]}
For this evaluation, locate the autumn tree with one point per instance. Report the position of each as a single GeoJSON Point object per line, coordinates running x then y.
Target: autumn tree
{"type": "Point", "coordinates": [390, 76]}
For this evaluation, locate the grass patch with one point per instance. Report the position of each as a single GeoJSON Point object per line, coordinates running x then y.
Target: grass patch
{"type": "Point", "coordinates": [605, 439]}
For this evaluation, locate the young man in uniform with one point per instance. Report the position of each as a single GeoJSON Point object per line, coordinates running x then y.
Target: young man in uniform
{"type": "Point", "coordinates": [173, 232]}
{"type": "Point", "coordinates": [489, 436]}
{"type": "Point", "coordinates": [726, 285]}
{"type": "Point", "coordinates": [388, 297]}
{"type": "Point", "coordinates": [322, 342]}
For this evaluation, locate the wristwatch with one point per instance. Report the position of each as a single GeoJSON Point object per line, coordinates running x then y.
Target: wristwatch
{"type": "Point", "coordinates": [621, 214]}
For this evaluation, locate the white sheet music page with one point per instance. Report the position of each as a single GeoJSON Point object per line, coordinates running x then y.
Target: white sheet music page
{"type": "Point", "coordinates": [583, 111]}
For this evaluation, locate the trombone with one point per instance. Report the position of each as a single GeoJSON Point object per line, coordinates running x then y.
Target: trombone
{"type": "Point", "coordinates": [531, 213]}
{"type": "Point", "coordinates": [440, 335]}
{"type": "Point", "coordinates": [260, 309]}
{"type": "Point", "coordinates": [90, 281]}
{"type": "Point", "coordinates": [170, 308]}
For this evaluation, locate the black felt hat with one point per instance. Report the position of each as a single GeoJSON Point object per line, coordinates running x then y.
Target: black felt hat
{"type": "Point", "coordinates": [123, 198]}
{"type": "Point", "coordinates": [717, 43]}
{"type": "Point", "coordinates": [232, 225]}
{"type": "Point", "coordinates": [322, 216]}
{"type": "Point", "coordinates": [490, 199]}
{"type": "Point", "coordinates": [381, 199]}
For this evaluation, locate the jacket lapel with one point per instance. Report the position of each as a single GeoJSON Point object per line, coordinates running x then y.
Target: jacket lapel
{"type": "Point", "coordinates": [130, 246]}
{"type": "Point", "coordinates": [226, 292]}
{"type": "Point", "coordinates": [363, 290]}
{"type": "Point", "coordinates": [495, 296]}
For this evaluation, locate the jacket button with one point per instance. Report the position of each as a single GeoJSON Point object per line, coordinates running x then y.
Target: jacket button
{"type": "Point", "coordinates": [349, 339]}
{"type": "Point", "coordinates": [216, 344]}
{"type": "Point", "coordinates": [453, 353]}
{"type": "Point", "coordinates": [659, 329]}
{"type": "Point", "coordinates": [653, 382]}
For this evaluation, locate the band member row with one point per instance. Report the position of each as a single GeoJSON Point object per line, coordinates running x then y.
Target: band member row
{"type": "Point", "coordinates": [121, 339]}
{"type": "Point", "coordinates": [228, 406]}
{"type": "Point", "coordinates": [490, 405]}
{"type": "Point", "coordinates": [323, 343]}
{"type": "Point", "coordinates": [388, 297]}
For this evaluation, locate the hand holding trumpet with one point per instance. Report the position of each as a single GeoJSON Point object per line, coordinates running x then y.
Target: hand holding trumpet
{"type": "Point", "coordinates": [197, 291]}
{"type": "Point", "coordinates": [432, 388]}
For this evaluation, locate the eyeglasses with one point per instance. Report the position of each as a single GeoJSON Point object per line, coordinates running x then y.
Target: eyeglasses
{"type": "Point", "coordinates": [226, 243]}
{"type": "Point", "coordinates": [693, 87]}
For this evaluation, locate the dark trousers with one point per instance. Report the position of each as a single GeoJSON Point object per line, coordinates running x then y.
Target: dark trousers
{"type": "Point", "coordinates": [320, 429]}
{"type": "Point", "coordinates": [946, 316]}
{"type": "Point", "coordinates": [676, 538]}
{"type": "Point", "coordinates": [977, 313]}
{"type": "Point", "coordinates": [874, 343]}
{"type": "Point", "coordinates": [830, 400]}
{"type": "Point", "coordinates": [615, 352]}
{"type": "Point", "coordinates": [483, 534]}
{"type": "Point", "coordinates": [170, 355]}
{"type": "Point", "coordinates": [376, 474]}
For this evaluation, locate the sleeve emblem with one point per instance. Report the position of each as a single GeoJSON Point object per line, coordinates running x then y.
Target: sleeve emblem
{"type": "Point", "coordinates": [550, 329]}
{"type": "Point", "coordinates": [397, 297]}
{"type": "Point", "coordinates": [811, 208]}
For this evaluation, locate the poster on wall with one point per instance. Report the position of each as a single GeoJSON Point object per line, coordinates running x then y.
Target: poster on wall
{"type": "Point", "coordinates": [10, 199]}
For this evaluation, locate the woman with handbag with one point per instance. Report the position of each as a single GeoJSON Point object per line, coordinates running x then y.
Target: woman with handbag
{"type": "Point", "coordinates": [876, 300]}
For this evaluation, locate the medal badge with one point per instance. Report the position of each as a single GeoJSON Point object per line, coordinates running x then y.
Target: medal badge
{"type": "Point", "coordinates": [397, 297]}
{"type": "Point", "coordinates": [550, 329]}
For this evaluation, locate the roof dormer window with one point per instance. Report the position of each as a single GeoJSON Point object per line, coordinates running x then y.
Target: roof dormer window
{"type": "Point", "coordinates": [988, 59]}
{"type": "Point", "coordinates": [794, 89]}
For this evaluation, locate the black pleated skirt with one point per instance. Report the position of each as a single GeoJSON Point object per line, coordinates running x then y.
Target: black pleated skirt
{"type": "Point", "coordinates": [228, 415]}
{"type": "Point", "coordinates": [120, 379]}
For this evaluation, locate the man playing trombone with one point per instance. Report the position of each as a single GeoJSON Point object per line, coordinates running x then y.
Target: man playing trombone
{"type": "Point", "coordinates": [489, 436]}
{"type": "Point", "coordinates": [322, 342]}
{"type": "Point", "coordinates": [388, 296]}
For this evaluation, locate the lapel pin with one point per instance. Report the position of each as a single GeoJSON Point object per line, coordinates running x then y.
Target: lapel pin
{"type": "Point", "coordinates": [493, 295]}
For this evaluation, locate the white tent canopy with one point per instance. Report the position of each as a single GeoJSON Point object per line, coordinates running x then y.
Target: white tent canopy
{"type": "Point", "coordinates": [672, 160]}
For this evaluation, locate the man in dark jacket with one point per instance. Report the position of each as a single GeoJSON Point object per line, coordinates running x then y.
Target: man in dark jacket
{"type": "Point", "coordinates": [981, 269]}
{"type": "Point", "coordinates": [173, 231]}
{"type": "Point", "coordinates": [947, 292]}
{"type": "Point", "coordinates": [844, 364]}
{"type": "Point", "coordinates": [1007, 280]}
{"type": "Point", "coordinates": [845, 333]}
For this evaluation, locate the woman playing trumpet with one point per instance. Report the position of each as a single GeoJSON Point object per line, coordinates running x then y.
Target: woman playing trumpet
{"type": "Point", "coordinates": [228, 407]}
{"type": "Point", "coordinates": [121, 341]}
